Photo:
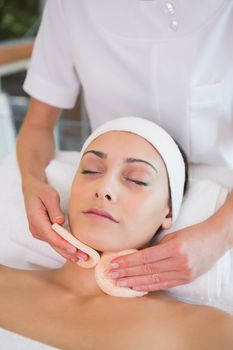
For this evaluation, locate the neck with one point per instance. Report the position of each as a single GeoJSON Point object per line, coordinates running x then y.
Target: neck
{"type": "Point", "coordinates": [80, 281]}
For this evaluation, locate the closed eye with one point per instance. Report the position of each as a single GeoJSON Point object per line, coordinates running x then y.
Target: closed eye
{"type": "Point", "coordinates": [89, 172]}
{"type": "Point", "coordinates": [137, 182]}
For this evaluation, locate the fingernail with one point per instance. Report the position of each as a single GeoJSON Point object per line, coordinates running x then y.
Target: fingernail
{"type": "Point", "coordinates": [71, 250]}
{"type": "Point", "coordinates": [80, 258]}
{"type": "Point", "coordinates": [114, 274]}
{"type": "Point", "coordinates": [122, 283]}
{"type": "Point", "coordinates": [58, 218]}
{"type": "Point", "coordinates": [114, 265]}
{"type": "Point", "coordinates": [85, 258]}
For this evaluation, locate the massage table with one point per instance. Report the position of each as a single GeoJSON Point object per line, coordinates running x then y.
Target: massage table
{"type": "Point", "coordinates": [209, 186]}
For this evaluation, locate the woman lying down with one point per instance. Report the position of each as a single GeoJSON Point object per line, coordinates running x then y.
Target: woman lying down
{"type": "Point", "coordinates": [129, 185]}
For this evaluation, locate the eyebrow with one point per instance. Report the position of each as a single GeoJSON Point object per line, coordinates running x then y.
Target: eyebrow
{"type": "Point", "coordinates": [103, 155]}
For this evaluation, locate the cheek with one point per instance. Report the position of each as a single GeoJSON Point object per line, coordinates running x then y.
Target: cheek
{"type": "Point", "coordinates": [78, 200]}
{"type": "Point", "coordinates": [80, 190]}
{"type": "Point", "coordinates": [145, 215]}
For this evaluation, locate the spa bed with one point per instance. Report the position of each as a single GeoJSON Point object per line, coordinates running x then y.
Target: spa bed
{"type": "Point", "coordinates": [19, 249]}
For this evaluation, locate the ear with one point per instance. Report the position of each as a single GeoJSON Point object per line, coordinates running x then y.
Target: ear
{"type": "Point", "coordinates": [167, 221]}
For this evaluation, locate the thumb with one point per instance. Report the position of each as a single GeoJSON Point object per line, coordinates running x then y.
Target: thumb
{"type": "Point", "coordinates": [167, 238]}
{"type": "Point", "coordinates": [52, 204]}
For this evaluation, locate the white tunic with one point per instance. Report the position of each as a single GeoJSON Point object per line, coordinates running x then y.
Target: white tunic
{"type": "Point", "coordinates": [171, 62]}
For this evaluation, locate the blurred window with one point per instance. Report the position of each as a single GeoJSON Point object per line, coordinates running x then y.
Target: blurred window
{"type": "Point", "coordinates": [19, 18]}
{"type": "Point", "coordinates": [19, 23]}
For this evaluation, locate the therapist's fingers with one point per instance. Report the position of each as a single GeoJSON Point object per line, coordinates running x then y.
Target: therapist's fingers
{"type": "Point", "coordinates": [66, 256]}
{"type": "Point", "coordinates": [153, 279]}
{"type": "Point", "coordinates": [147, 269]}
{"type": "Point", "coordinates": [159, 286]}
{"type": "Point", "coordinates": [40, 227]}
{"type": "Point", "coordinates": [43, 209]}
{"type": "Point", "coordinates": [51, 201]}
{"type": "Point", "coordinates": [63, 247]}
{"type": "Point", "coordinates": [142, 257]}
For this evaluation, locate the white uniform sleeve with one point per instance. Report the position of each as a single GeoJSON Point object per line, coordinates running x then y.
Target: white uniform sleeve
{"type": "Point", "coordinates": [52, 77]}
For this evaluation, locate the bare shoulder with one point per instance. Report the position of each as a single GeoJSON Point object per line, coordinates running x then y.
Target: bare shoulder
{"type": "Point", "coordinates": [219, 328]}
{"type": "Point", "coordinates": [4, 270]}
{"type": "Point", "coordinates": [12, 277]}
{"type": "Point", "coordinates": [209, 328]}
{"type": "Point", "coordinates": [185, 326]}
{"type": "Point", "coordinates": [9, 270]}
{"type": "Point", "coordinates": [2, 267]}
{"type": "Point", "coordinates": [7, 274]}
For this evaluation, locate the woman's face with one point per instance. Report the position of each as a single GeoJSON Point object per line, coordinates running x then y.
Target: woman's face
{"type": "Point", "coordinates": [120, 194]}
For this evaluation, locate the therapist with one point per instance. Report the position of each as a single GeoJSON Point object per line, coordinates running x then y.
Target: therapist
{"type": "Point", "coordinates": [171, 62]}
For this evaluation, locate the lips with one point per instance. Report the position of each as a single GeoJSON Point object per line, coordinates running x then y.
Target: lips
{"type": "Point", "coordinates": [100, 212]}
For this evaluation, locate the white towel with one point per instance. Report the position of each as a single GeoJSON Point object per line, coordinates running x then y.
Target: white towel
{"type": "Point", "coordinates": [10, 341]}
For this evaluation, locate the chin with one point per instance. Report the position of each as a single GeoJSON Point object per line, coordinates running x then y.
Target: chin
{"type": "Point", "coordinates": [104, 247]}
{"type": "Point", "coordinates": [102, 239]}
{"type": "Point", "coordinates": [98, 239]}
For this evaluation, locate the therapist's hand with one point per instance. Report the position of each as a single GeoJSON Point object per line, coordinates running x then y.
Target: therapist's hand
{"type": "Point", "coordinates": [179, 258]}
{"type": "Point", "coordinates": [42, 205]}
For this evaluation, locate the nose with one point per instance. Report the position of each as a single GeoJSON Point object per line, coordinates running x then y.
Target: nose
{"type": "Point", "coordinates": [106, 189]}
{"type": "Point", "coordinates": [100, 195]}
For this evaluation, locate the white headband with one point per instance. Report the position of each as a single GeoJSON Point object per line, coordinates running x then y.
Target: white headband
{"type": "Point", "coordinates": [161, 141]}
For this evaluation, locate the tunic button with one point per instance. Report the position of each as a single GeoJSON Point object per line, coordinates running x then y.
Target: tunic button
{"type": "Point", "coordinates": [169, 8]}
{"type": "Point", "coordinates": [173, 25]}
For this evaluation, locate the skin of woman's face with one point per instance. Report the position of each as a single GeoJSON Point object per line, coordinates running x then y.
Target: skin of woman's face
{"type": "Point", "coordinates": [122, 176]}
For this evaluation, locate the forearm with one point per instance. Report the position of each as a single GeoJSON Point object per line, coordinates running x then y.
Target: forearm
{"type": "Point", "coordinates": [35, 143]}
{"type": "Point", "coordinates": [35, 148]}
